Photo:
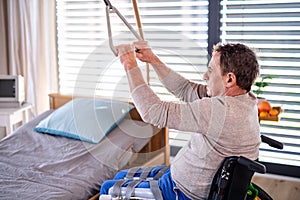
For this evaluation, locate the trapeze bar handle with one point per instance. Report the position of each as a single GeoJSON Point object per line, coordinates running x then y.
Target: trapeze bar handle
{"type": "Point", "coordinates": [112, 9]}
{"type": "Point", "coordinates": [107, 2]}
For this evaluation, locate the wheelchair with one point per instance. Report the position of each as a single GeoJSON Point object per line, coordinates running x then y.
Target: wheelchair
{"type": "Point", "coordinates": [232, 180]}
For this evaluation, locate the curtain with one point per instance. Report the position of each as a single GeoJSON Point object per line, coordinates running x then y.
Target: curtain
{"type": "Point", "coordinates": [32, 49]}
{"type": "Point", "coordinates": [3, 38]}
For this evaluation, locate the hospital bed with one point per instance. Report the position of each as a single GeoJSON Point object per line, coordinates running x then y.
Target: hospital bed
{"type": "Point", "coordinates": [37, 165]}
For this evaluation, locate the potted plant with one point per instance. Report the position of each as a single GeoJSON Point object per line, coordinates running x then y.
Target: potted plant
{"type": "Point", "coordinates": [260, 85]}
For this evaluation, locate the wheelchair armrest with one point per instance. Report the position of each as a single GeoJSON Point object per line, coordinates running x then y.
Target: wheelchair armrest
{"type": "Point", "coordinates": [252, 165]}
{"type": "Point", "coordinates": [271, 142]}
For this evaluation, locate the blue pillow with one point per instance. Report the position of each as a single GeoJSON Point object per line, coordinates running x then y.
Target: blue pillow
{"type": "Point", "coordinates": [89, 120]}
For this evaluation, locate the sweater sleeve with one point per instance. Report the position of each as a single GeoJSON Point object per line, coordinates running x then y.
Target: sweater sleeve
{"type": "Point", "coordinates": [191, 117]}
{"type": "Point", "coordinates": [183, 88]}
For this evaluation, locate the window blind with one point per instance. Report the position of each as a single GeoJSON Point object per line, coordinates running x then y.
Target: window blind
{"type": "Point", "coordinates": [175, 29]}
{"type": "Point", "coordinates": [273, 29]}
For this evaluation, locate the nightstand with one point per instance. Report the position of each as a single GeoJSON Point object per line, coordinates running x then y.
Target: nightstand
{"type": "Point", "coordinates": [10, 117]}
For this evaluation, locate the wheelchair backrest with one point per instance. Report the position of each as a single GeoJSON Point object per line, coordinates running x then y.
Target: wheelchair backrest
{"type": "Point", "coordinates": [233, 178]}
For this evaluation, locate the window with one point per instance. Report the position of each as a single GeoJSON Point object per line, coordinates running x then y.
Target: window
{"type": "Point", "coordinates": [176, 30]}
{"type": "Point", "coordinates": [273, 28]}
{"type": "Point", "coordinates": [87, 65]}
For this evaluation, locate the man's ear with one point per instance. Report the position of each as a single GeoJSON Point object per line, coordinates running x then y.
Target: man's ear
{"type": "Point", "coordinates": [230, 79]}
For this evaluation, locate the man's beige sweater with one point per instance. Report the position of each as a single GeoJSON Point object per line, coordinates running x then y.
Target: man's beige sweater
{"type": "Point", "coordinates": [220, 127]}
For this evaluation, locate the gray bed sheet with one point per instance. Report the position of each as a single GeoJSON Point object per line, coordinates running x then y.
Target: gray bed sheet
{"type": "Point", "coordinates": [41, 166]}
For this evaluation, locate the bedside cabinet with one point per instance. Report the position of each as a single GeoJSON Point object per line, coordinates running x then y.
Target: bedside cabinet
{"type": "Point", "coordinates": [11, 117]}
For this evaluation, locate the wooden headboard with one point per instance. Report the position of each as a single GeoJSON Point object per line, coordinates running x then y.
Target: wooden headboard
{"type": "Point", "coordinates": [156, 152]}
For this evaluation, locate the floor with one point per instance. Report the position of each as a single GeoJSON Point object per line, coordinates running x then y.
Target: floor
{"type": "Point", "coordinates": [279, 187]}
